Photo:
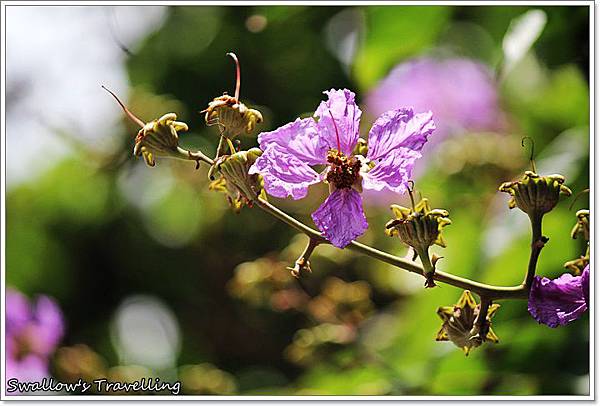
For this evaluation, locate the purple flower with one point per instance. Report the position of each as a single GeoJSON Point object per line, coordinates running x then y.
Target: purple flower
{"type": "Point", "coordinates": [330, 139]}
{"type": "Point", "coordinates": [460, 92]}
{"type": "Point", "coordinates": [32, 333]}
{"type": "Point", "coordinates": [556, 302]}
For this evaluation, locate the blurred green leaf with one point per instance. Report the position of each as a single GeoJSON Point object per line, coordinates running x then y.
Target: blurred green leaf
{"type": "Point", "coordinates": [457, 374]}
{"type": "Point", "coordinates": [70, 197]}
{"type": "Point", "coordinates": [177, 218]}
{"type": "Point", "coordinates": [394, 33]}
{"type": "Point", "coordinates": [565, 101]}
{"type": "Point", "coordinates": [29, 246]}
{"type": "Point", "coordinates": [547, 100]}
{"type": "Point", "coordinates": [325, 379]}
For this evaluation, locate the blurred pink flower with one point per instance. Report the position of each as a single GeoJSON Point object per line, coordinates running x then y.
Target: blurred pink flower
{"type": "Point", "coordinates": [33, 331]}
{"type": "Point", "coordinates": [461, 93]}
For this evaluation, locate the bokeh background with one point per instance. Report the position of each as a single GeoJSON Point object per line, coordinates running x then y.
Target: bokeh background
{"type": "Point", "coordinates": [154, 275]}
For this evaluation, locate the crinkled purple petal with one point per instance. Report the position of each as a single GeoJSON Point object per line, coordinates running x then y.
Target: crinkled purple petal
{"type": "Point", "coordinates": [284, 174]}
{"type": "Point", "coordinates": [47, 328]}
{"type": "Point", "coordinates": [585, 283]}
{"type": "Point", "coordinates": [556, 302]}
{"type": "Point", "coordinates": [299, 138]}
{"type": "Point", "coordinates": [342, 107]}
{"type": "Point", "coordinates": [392, 172]}
{"type": "Point", "coordinates": [341, 217]}
{"type": "Point", "coordinates": [18, 311]}
{"type": "Point", "coordinates": [399, 128]}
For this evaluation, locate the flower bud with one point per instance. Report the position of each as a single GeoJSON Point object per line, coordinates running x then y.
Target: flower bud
{"type": "Point", "coordinates": [534, 194]}
{"type": "Point", "coordinates": [461, 324]}
{"type": "Point", "coordinates": [159, 138]}
{"type": "Point", "coordinates": [361, 148]}
{"type": "Point", "coordinates": [241, 188]}
{"type": "Point", "coordinates": [232, 116]}
{"type": "Point", "coordinates": [421, 227]}
{"type": "Point", "coordinates": [578, 265]}
{"type": "Point", "coordinates": [583, 225]}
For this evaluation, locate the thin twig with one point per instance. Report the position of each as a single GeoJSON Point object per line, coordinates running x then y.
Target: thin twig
{"type": "Point", "coordinates": [482, 317]}
{"type": "Point", "coordinates": [491, 292]}
{"type": "Point", "coordinates": [537, 243]}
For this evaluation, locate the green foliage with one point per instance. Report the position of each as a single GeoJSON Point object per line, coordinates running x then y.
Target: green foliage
{"type": "Point", "coordinates": [395, 33]}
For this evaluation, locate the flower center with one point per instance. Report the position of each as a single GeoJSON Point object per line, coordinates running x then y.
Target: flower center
{"type": "Point", "coordinates": [343, 171]}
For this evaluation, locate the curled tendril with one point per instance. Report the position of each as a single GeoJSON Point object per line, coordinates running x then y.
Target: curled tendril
{"type": "Point", "coordinates": [577, 197]}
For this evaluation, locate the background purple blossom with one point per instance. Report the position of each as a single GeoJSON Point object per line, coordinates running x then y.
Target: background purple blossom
{"type": "Point", "coordinates": [461, 93]}
{"type": "Point", "coordinates": [33, 331]}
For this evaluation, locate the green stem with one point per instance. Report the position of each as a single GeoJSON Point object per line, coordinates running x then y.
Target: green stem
{"type": "Point", "coordinates": [221, 147]}
{"type": "Point", "coordinates": [537, 243]}
{"type": "Point", "coordinates": [194, 156]}
{"type": "Point", "coordinates": [489, 291]}
{"type": "Point", "coordinates": [428, 268]}
{"type": "Point", "coordinates": [302, 264]}
{"type": "Point", "coordinates": [482, 317]}
{"type": "Point", "coordinates": [308, 250]}
{"type": "Point", "coordinates": [483, 290]}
